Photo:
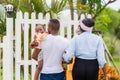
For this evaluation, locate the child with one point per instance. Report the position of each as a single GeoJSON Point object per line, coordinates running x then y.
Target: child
{"type": "Point", "coordinates": [39, 36]}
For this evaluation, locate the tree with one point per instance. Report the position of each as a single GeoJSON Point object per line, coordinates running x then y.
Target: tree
{"type": "Point", "coordinates": [102, 22]}
{"type": "Point", "coordinates": [32, 6]}
{"type": "Point", "coordinates": [56, 7]}
{"type": "Point", "coordinates": [93, 7]}
{"type": "Point", "coordinates": [37, 6]}
{"type": "Point", "coordinates": [71, 8]}
{"type": "Point", "coordinates": [114, 25]}
{"type": "Point", "coordinates": [108, 23]}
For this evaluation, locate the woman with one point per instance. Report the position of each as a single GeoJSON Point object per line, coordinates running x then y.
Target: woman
{"type": "Point", "coordinates": [89, 52]}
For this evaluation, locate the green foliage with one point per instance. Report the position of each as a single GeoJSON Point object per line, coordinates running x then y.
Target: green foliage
{"type": "Point", "coordinates": [81, 8]}
{"type": "Point", "coordinates": [2, 21]}
{"type": "Point", "coordinates": [119, 11]}
{"type": "Point", "coordinates": [110, 43]}
{"type": "Point", "coordinates": [2, 28]}
{"type": "Point", "coordinates": [114, 26]}
{"type": "Point", "coordinates": [32, 6]}
{"type": "Point", "coordinates": [56, 7]}
{"type": "Point", "coordinates": [102, 22]}
{"type": "Point", "coordinates": [40, 6]}
{"type": "Point", "coordinates": [25, 5]}
{"type": "Point", "coordinates": [108, 22]}
{"type": "Point", "coordinates": [117, 61]}
{"type": "Point", "coordinates": [93, 7]}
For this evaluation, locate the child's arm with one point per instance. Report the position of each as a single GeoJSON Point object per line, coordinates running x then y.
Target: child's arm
{"type": "Point", "coordinates": [36, 41]}
{"type": "Point", "coordinates": [33, 44]}
{"type": "Point", "coordinates": [35, 53]}
{"type": "Point", "coordinates": [38, 70]}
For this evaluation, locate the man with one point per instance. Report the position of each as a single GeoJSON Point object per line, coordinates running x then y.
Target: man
{"type": "Point", "coordinates": [53, 48]}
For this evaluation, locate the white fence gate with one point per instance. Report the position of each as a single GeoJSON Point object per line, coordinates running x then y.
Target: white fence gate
{"type": "Point", "coordinates": [17, 43]}
{"type": "Point", "coordinates": [17, 62]}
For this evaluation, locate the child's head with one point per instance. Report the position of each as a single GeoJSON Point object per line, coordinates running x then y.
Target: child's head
{"type": "Point", "coordinates": [39, 28]}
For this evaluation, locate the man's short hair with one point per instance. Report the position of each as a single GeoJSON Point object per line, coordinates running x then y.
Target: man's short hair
{"type": "Point", "coordinates": [54, 24]}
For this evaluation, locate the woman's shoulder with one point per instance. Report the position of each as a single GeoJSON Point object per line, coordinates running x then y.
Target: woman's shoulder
{"type": "Point", "coordinates": [95, 35]}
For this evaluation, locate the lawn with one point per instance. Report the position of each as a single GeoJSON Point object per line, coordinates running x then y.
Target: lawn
{"type": "Point", "coordinates": [117, 62]}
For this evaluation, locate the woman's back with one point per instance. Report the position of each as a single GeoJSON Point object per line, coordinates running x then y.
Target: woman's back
{"type": "Point", "coordinates": [86, 45]}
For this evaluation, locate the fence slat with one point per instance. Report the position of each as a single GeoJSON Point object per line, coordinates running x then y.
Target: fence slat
{"type": "Point", "coordinates": [47, 18]}
{"type": "Point", "coordinates": [40, 18]}
{"type": "Point", "coordinates": [62, 25]}
{"type": "Point", "coordinates": [26, 38]}
{"type": "Point", "coordinates": [1, 45]}
{"type": "Point", "coordinates": [75, 23]}
{"type": "Point", "coordinates": [33, 17]}
{"type": "Point", "coordinates": [69, 27]}
{"type": "Point", "coordinates": [9, 49]}
{"type": "Point", "coordinates": [5, 69]}
{"type": "Point", "coordinates": [19, 15]}
{"type": "Point", "coordinates": [18, 44]}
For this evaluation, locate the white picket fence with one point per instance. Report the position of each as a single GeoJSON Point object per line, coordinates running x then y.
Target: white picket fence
{"type": "Point", "coordinates": [16, 51]}
{"type": "Point", "coordinates": [17, 43]}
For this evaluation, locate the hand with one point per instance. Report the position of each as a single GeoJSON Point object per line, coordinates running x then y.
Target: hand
{"type": "Point", "coordinates": [71, 61]}
{"type": "Point", "coordinates": [34, 44]}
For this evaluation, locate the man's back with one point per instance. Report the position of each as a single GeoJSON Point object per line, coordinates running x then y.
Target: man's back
{"type": "Point", "coordinates": [53, 48]}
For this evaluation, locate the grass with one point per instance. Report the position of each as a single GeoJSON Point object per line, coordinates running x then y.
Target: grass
{"type": "Point", "coordinates": [117, 62]}
{"type": "Point", "coordinates": [118, 65]}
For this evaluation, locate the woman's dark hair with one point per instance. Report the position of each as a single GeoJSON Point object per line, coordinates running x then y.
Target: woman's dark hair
{"type": "Point", "coordinates": [88, 22]}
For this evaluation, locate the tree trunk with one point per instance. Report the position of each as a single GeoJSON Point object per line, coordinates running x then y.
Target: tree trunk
{"type": "Point", "coordinates": [71, 9]}
{"type": "Point", "coordinates": [82, 2]}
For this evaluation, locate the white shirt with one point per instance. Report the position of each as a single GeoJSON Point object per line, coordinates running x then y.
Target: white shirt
{"type": "Point", "coordinates": [53, 48]}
